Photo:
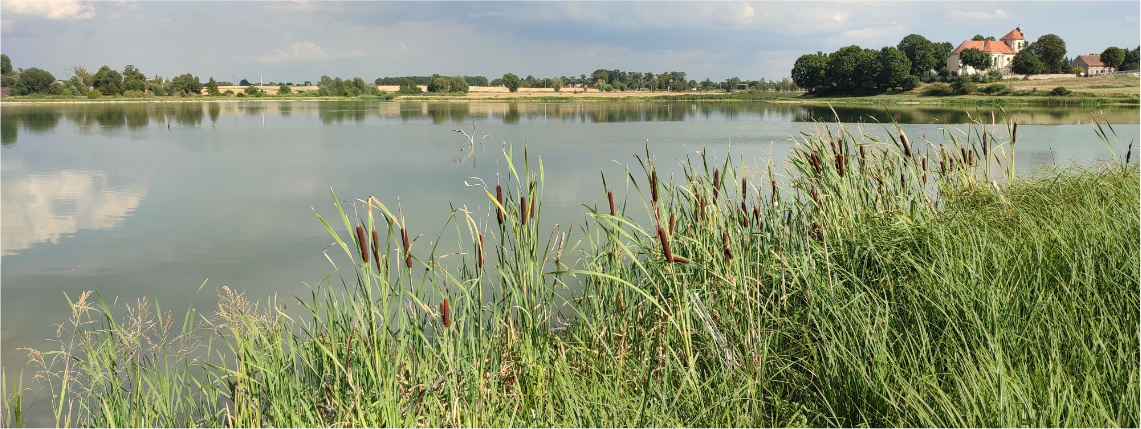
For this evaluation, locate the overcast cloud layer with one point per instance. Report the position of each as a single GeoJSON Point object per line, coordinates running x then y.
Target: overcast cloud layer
{"type": "Point", "coordinates": [302, 40]}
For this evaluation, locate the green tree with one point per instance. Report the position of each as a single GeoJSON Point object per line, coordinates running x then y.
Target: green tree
{"type": "Point", "coordinates": [212, 88]}
{"type": "Point", "coordinates": [458, 84]}
{"type": "Point", "coordinates": [107, 81]}
{"type": "Point", "coordinates": [557, 83]}
{"type": "Point", "coordinates": [975, 58]}
{"type": "Point", "coordinates": [731, 83]}
{"type": "Point", "coordinates": [1132, 59]}
{"type": "Point", "coordinates": [1025, 63]}
{"type": "Point", "coordinates": [439, 84]}
{"type": "Point", "coordinates": [809, 72]}
{"type": "Point", "coordinates": [941, 52]}
{"type": "Point", "coordinates": [979, 37]}
{"type": "Point", "coordinates": [1050, 49]}
{"type": "Point", "coordinates": [511, 81]}
{"type": "Point", "coordinates": [36, 81]}
{"type": "Point", "coordinates": [284, 89]}
{"type": "Point", "coordinates": [1113, 56]}
{"type": "Point", "coordinates": [253, 91]}
{"type": "Point", "coordinates": [5, 64]}
{"type": "Point", "coordinates": [188, 84]}
{"type": "Point", "coordinates": [408, 87]}
{"type": "Point", "coordinates": [920, 52]}
{"type": "Point", "coordinates": [894, 69]}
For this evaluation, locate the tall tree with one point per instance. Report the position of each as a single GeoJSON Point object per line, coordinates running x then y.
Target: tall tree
{"type": "Point", "coordinates": [1113, 56]}
{"type": "Point", "coordinates": [36, 81]}
{"type": "Point", "coordinates": [108, 81]}
{"type": "Point", "coordinates": [5, 64]}
{"type": "Point", "coordinates": [921, 53]}
{"type": "Point", "coordinates": [1132, 59]}
{"type": "Point", "coordinates": [188, 84]}
{"type": "Point", "coordinates": [894, 70]}
{"type": "Point", "coordinates": [511, 81]}
{"type": "Point", "coordinates": [1050, 49]}
{"type": "Point", "coordinates": [212, 88]}
{"type": "Point", "coordinates": [809, 72]}
{"type": "Point", "coordinates": [1025, 63]}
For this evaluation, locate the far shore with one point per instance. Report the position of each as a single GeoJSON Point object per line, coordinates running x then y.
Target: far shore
{"type": "Point", "coordinates": [1120, 88]}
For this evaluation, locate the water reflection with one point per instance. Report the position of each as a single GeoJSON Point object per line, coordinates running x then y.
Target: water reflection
{"type": "Point", "coordinates": [110, 118]}
{"type": "Point", "coordinates": [44, 207]}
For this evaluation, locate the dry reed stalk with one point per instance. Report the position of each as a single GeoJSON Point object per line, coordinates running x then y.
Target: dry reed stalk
{"type": "Point", "coordinates": [446, 313]}
{"type": "Point", "coordinates": [363, 243]}
{"type": "Point", "coordinates": [499, 199]}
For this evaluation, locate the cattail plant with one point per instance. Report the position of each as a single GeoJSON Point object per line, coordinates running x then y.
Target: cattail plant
{"type": "Point", "coordinates": [498, 207]}
{"type": "Point", "coordinates": [376, 250]}
{"type": "Point", "coordinates": [903, 140]}
{"type": "Point", "coordinates": [610, 197]}
{"type": "Point", "coordinates": [446, 314]}
{"type": "Point", "coordinates": [716, 184]}
{"type": "Point", "coordinates": [725, 245]}
{"type": "Point", "coordinates": [407, 247]}
{"type": "Point", "coordinates": [363, 243]}
{"type": "Point", "coordinates": [523, 209]}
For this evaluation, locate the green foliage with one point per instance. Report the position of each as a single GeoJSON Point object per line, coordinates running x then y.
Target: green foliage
{"type": "Point", "coordinates": [895, 69]}
{"type": "Point", "coordinates": [921, 53]}
{"type": "Point", "coordinates": [212, 88]}
{"type": "Point", "coordinates": [1113, 56]}
{"type": "Point", "coordinates": [439, 84]}
{"type": "Point", "coordinates": [85, 77]}
{"type": "Point", "coordinates": [187, 83]}
{"type": "Point", "coordinates": [131, 93]}
{"type": "Point", "coordinates": [963, 85]}
{"type": "Point", "coordinates": [1026, 63]}
{"type": "Point", "coordinates": [996, 89]}
{"type": "Point", "coordinates": [12, 81]}
{"type": "Point", "coordinates": [5, 64]}
{"type": "Point", "coordinates": [1132, 59]}
{"type": "Point", "coordinates": [133, 79]}
{"type": "Point", "coordinates": [108, 81]}
{"type": "Point", "coordinates": [408, 87]}
{"type": "Point", "coordinates": [1060, 91]}
{"type": "Point", "coordinates": [36, 81]}
{"type": "Point", "coordinates": [511, 81]}
{"type": "Point", "coordinates": [458, 84]}
{"type": "Point", "coordinates": [557, 83]}
{"type": "Point", "coordinates": [253, 91]}
{"type": "Point", "coordinates": [938, 89]}
{"type": "Point", "coordinates": [942, 50]}
{"type": "Point", "coordinates": [56, 88]}
{"type": "Point", "coordinates": [1050, 50]}
{"type": "Point", "coordinates": [809, 72]}
{"type": "Point", "coordinates": [284, 89]}
{"type": "Point", "coordinates": [975, 58]}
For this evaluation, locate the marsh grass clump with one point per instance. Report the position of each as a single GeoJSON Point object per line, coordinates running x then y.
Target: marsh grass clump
{"type": "Point", "coordinates": [866, 287]}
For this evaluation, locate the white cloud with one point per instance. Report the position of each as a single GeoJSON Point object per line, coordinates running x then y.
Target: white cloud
{"type": "Point", "coordinates": [734, 13]}
{"type": "Point", "coordinates": [304, 51]}
{"type": "Point", "coordinates": [51, 9]}
{"type": "Point", "coordinates": [303, 6]}
{"type": "Point", "coordinates": [998, 13]}
{"type": "Point", "coordinates": [874, 33]}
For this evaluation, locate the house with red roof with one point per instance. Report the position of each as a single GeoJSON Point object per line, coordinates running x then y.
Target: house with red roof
{"type": "Point", "coordinates": [1091, 64]}
{"type": "Point", "coordinates": [1001, 52]}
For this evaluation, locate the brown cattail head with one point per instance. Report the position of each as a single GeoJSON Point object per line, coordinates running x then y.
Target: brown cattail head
{"type": "Point", "coordinates": [815, 196]}
{"type": "Point", "coordinates": [840, 164]}
{"type": "Point", "coordinates": [835, 147]}
{"type": "Point", "coordinates": [716, 184]}
{"type": "Point", "coordinates": [863, 154]}
{"type": "Point", "coordinates": [757, 215]}
{"type": "Point", "coordinates": [701, 204]}
{"type": "Point", "coordinates": [971, 157]}
{"type": "Point", "coordinates": [943, 166]}
{"type": "Point", "coordinates": [744, 188]}
{"type": "Point", "coordinates": [725, 245]}
{"type": "Point", "coordinates": [499, 199]}
{"type": "Point", "coordinates": [1129, 152]}
{"type": "Point", "coordinates": [816, 232]}
{"type": "Point", "coordinates": [901, 179]}
{"type": "Point", "coordinates": [984, 145]}
{"type": "Point", "coordinates": [924, 163]}
{"type": "Point", "coordinates": [446, 313]}
{"type": "Point", "coordinates": [654, 186]}
{"type": "Point", "coordinates": [363, 243]}
{"type": "Point", "coordinates": [665, 244]}
{"type": "Point", "coordinates": [963, 151]}
{"type": "Point", "coordinates": [671, 224]}
{"type": "Point", "coordinates": [523, 209]}
{"type": "Point", "coordinates": [407, 248]}
{"type": "Point", "coordinates": [1014, 134]}
{"type": "Point", "coordinates": [533, 208]}
{"type": "Point", "coordinates": [376, 250]}
{"type": "Point", "coordinates": [610, 197]}
{"type": "Point", "coordinates": [903, 139]}
{"type": "Point", "coordinates": [479, 252]}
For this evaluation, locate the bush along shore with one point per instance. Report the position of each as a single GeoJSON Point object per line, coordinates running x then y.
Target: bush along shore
{"type": "Point", "coordinates": [882, 283]}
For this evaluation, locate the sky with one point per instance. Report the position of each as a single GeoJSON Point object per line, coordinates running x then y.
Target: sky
{"type": "Point", "coordinates": [295, 41]}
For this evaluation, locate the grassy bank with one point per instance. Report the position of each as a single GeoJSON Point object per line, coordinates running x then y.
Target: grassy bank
{"type": "Point", "coordinates": [878, 283]}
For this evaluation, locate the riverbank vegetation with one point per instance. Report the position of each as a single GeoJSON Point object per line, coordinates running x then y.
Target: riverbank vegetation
{"type": "Point", "coordinates": [877, 282]}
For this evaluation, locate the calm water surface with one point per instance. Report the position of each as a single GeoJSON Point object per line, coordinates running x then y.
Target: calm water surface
{"type": "Point", "coordinates": [152, 199]}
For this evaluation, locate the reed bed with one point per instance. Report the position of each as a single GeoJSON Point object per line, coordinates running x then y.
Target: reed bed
{"type": "Point", "coordinates": [872, 282]}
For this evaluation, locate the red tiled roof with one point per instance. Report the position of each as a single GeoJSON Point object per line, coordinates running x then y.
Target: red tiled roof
{"type": "Point", "coordinates": [988, 46]}
{"type": "Point", "coordinates": [1015, 34]}
{"type": "Point", "coordinates": [1092, 60]}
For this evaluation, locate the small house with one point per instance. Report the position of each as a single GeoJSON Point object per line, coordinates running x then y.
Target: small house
{"type": "Point", "coordinates": [1091, 65]}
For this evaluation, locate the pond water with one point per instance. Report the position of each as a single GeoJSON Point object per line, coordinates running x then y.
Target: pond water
{"type": "Point", "coordinates": [152, 199]}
